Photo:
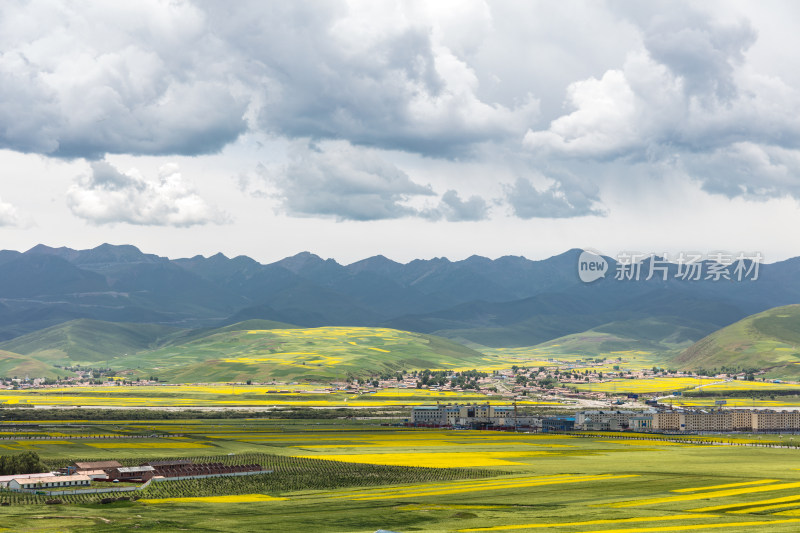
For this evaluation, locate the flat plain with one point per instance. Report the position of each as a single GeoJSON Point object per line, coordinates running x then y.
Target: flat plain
{"type": "Point", "coordinates": [518, 482]}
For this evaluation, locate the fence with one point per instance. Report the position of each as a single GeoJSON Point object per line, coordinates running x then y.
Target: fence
{"type": "Point", "coordinates": [87, 491]}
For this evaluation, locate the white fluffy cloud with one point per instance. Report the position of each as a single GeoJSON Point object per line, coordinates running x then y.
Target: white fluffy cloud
{"type": "Point", "coordinates": [108, 196]}
{"type": "Point", "coordinates": [8, 214]}
{"type": "Point", "coordinates": [687, 97]}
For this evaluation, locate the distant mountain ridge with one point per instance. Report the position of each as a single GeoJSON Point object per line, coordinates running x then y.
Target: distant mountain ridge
{"type": "Point", "coordinates": [509, 301]}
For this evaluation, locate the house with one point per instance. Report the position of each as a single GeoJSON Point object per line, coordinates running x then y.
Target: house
{"type": "Point", "coordinates": [4, 480]}
{"type": "Point", "coordinates": [128, 473]}
{"type": "Point", "coordinates": [49, 483]}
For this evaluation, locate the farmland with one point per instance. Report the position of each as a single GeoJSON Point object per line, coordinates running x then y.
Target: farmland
{"type": "Point", "coordinates": [472, 480]}
{"type": "Point", "coordinates": [233, 395]}
{"type": "Point", "coordinates": [254, 349]}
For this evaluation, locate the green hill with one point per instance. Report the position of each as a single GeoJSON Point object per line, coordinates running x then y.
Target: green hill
{"type": "Point", "coordinates": [14, 365]}
{"type": "Point", "coordinates": [768, 340]}
{"type": "Point", "coordinates": [659, 337]}
{"type": "Point", "coordinates": [253, 349]}
{"type": "Point", "coordinates": [88, 341]}
{"type": "Point", "coordinates": [289, 354]}
{"type": "Point", "coordinates": [92, 342]}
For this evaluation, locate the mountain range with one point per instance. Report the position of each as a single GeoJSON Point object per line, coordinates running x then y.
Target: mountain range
{"type": "Point", "coordinates": [509, 301]}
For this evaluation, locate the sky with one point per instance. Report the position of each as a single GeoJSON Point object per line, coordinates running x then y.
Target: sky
{"type": "Point", "coordinates": [408, 129]}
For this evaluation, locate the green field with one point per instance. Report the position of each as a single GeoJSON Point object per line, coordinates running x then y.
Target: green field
{"type": "Point", "coordinates": [518, 482]}
{"type": "Point", "coordinates": [222, 395]}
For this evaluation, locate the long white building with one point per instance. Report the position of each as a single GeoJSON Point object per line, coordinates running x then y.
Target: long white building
{"type": "Point", "coordinates": [49, 482]}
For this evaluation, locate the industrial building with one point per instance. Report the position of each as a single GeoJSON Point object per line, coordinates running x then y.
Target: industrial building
{"type": "Point", "coordinates": [605, 420]}
{"type": "Point", "coordinates": [471, 415]}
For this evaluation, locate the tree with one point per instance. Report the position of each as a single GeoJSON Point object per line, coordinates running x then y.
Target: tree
{"type": "Point", "coordinates": [23, 463]}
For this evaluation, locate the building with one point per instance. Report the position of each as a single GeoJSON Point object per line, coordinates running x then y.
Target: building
{"type": "Point", "coordinates": [775, 420]}
{"type": "Point", "coordinates": [429, 415]}
{"type": "Point", "coordinates": [667, 421]}
{"type": "Point", "coordinates": [49, 483]}
{"type": "Point", "coordinates": [604, 420]}
{"type": "Point", "coordinates": [178, 469]}
{"type": "Point", "coordinates": [4, 480]}
{"type": "Point", "coordinates": [727, 420]}
{"type": "Point", "coordinates": [93, 465]}
{"type": "Point", "coordinates": [558, 423]}
{"type": "Point", "coordinates": [470, 415]}
{"type": "Point", "coordinates": [641, 423]}
{"type": "Point", "coordinates": [129, 473]}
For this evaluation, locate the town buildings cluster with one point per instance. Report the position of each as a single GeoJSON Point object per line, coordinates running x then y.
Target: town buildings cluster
{"type": "Point", "coordinates": [485, 416]}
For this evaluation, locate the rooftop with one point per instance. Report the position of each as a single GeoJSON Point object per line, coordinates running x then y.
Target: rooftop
{"type": "Point", "coordinates": [98, 465]}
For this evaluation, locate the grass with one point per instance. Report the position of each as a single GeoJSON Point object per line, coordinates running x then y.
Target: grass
{"type": "Point", "coordinates": [220, 395]}
{"type": "Point", "coordinates": [766, 340]}
{"type": "Point", "coordinates": [315, 354]}
{"type": "Point", "coordinates": [546, 482]}
{"type": "Point", "coordinates": [254, 349]}
{"type": "Point", "coordinates": [643, 386]}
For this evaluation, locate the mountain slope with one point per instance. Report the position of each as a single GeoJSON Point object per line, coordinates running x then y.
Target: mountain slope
{"type": "Point", "coordinates": [14, 365]}
{"type": "Point", "coordinates": [660, 337]}
{"type": "Point", "coordinates": [767, 340]}
{"type": "Point", "coordinates": [239, 353]}
{"type": "Point", "coordinates": [88, 341]}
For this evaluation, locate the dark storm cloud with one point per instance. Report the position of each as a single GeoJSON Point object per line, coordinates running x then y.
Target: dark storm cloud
{"type": "Point", "coordinates": [344, 182]}
{"type": "Point", "coordinates": [327, 75]}
{"type": "Point", "coordinates": [85, 80]}
{"type": "Point", "coordinates": [566, 197]}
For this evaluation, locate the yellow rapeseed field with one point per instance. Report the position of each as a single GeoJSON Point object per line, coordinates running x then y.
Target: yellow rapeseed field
{"type": "Point", "coordinates": [436, 459]}
{"type": "Point", "coordinates": [241, 498]}
{"type": "Point", "coordinates": [587, 522]}
{"type": "Point", "coordinates": [646, 385]}
{"type": "Point", "coordinates": [727, 485]}
{"type": "Point", "coordinates": [696, 527]}
{"type": "Point", "coordinates": [707, 495]}
{"type": "Point", "coordinates": [438, 489]}
{"type": "Point", "coordinates": [147, 445]}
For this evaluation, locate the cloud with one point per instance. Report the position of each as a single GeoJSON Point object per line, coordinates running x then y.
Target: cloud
{"type": "Point", "coordinates": [8, 214]}
{"type": "Point", "coordinates": [145, 78]}
{"type": "Point", "coordinates": [749, 170]}
{"type": "Point", "coordinates": [377, 75]}
{"type": "Point", "coordinates": [686, 98]}
{"type": "Point", "coordinates": [565, 198]}
{"type": "Point", "coordinates": [336, 179]}
{"type": "Point", "coordinates": [702, 52]}
{"type": "Point", "coordinates": [453, 209]}
{"type": "Point", "coordinates": [189, 78]}
{"type": "Point", "coordinates": [108, 196]}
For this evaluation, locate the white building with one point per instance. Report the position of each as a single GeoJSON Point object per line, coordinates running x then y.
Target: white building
{"type": "Point", "coordinates": [4, 480]}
